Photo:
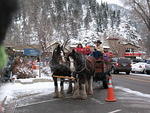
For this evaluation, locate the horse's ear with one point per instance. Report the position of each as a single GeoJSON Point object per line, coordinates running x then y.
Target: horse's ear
{"type": "Point", "coordinates": [61, 47]}
{"type": "Point", "coordinates": [58, 46]}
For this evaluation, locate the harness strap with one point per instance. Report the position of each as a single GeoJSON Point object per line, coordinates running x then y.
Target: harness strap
{"type": "Point", "coordinates": [85, 67]}
{"type": "Point", "coordinates": [65, 77]}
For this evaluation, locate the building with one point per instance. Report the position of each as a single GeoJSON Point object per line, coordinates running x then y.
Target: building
{"type": "Point", "coordinates": [132, 51]}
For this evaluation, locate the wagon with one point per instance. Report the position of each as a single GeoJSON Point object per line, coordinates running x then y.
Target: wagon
{"type": "Point", "coordinates": [102, 71]}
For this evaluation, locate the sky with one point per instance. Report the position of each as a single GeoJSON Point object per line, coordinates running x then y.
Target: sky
{"type": "Point", "coordinates": [118, 2]}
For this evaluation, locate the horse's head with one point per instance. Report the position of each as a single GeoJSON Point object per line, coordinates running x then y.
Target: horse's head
{"type": "Point", "coordinates": [59, 54]}
{"type": "Point", "coordinates": [73, 55]}
{"type": "Point", "coordinates": [76, 59]}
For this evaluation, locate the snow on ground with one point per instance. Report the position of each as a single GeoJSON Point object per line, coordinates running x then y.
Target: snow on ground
{"type": "Point", "coordinates": [132, 91]}
{"type": "Point", "coordinates": [16, 90]}
{"type": "Point", "coordinates": [138, 74]}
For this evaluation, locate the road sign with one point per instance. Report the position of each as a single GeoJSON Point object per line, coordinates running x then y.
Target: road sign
{"type": "Point", "coordinates": [31, 52]}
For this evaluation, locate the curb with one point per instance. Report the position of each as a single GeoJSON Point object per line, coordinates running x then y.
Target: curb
{"type": "Point", "coordinates": [33, 80]}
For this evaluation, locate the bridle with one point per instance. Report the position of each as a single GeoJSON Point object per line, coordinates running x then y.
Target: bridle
{"type": "Point", "coordinates": [84, 68]}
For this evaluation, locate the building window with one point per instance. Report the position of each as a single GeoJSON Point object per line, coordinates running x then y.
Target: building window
{"type": "Point", "coordinates": [129, 50]}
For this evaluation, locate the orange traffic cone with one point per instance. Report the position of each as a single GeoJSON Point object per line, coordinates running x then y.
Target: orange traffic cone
{"type": "Point", "coordinates": [110, 92]}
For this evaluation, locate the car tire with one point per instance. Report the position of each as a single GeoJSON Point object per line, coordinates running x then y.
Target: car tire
{"type": "Point", "coordinates": [144, 71]}
{"type": "Point", "coordinates": [133, 71]}
{"type": "Point", "coordinates": [128, 73]}
{"type": "Point", "coordinates": [105, 84]}
{"type": "Point", "coordinates": [116, 72]}
{"type": "Point", "coordinates": [147, 72]}
{"type": "Point", "coordinates": [113, 71]}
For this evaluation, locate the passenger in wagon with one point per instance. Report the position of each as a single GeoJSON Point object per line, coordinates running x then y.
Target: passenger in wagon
{"type": "Point", "coordinates": [87, 50]}
{"type": "Point", "coordinates": [79, 48]}
{"type": "Point", "coordinates": [99, 47]}
{"type": "Point", "coordinates": [98, 50]}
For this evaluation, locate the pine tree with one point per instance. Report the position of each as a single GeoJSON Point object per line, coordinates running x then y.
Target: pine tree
{"type": "Point", "coordinates": [105, 16]}
{"type": "Point", "coordinates": [118, 19]}
{"type": "Point", "coordinates": [87, 19]}
{"type": "Point", "coordinates": [113, 19]}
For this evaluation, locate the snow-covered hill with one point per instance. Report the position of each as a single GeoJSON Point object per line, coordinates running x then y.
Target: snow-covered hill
{"type": "Point", "coordinates": [80, 21]}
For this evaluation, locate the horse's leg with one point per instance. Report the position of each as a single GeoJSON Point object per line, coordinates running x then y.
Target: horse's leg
{"type": "Point", "coordinates": [83, 93]}
{"type": "Point", "coordinates": [62, 87]}
{"type": "Point", "coordinates": [87, 86]}
{"type": "Point", "coordinates": [90, 86]}
{"type": "Point", "coordinates": [69, 91]}
{"type": "Point", "coordinates": [76, 89]}
{"type": "Point", "coordinates": [56, 93]}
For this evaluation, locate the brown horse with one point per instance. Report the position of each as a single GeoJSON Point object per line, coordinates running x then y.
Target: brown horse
{"type": "Point", "coordinates": [84, 71]}
{"type": "Point", "coordinates": [59, 68]}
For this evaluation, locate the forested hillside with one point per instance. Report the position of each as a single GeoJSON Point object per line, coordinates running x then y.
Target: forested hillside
{"type": "Point", "coordinates": [42, 21]}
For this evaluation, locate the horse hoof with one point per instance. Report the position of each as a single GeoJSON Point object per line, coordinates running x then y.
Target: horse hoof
{"type": "Point", "coordinates": [69, 92]}
{"type": "Point", "coordinates": [90, 93]}
{"type": "Point", "coordinates": [83, 97]}
{"type": "Point", "coordinates": [61, 95]}
{"type": "Point", "coordinates": [56, 96]}
{"type": "Point", "coordinates": [76, 97]}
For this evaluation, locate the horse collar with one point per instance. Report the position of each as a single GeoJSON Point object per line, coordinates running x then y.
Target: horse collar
{"type": "Point", "coordinates": [85, 67]}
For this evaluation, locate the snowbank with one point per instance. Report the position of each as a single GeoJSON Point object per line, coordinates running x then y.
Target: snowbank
{"type": "Point", "coordinates": [133, 92]}
{"type": "Point", "coordinates": [18, 90]}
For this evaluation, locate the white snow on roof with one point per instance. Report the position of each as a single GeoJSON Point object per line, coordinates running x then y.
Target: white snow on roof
{"type": "Point", "coordinates": [107, 47]}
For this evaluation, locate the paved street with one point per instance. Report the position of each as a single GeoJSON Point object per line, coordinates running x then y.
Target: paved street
{"type": "Point", "coordinates": [132, 92]}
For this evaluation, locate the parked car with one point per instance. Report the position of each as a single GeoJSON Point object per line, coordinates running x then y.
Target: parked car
{"type": "Point", "coordinates": [134, 61]}
{"type": "Point", "coordinates": [138, 67]}
{"type": "Point", "coordinates": [147, 67]}
{"type": "Point", "coordinates": [121, 65]}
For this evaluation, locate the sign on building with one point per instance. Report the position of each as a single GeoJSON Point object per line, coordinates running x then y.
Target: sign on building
{"type": "Point", "coordinates": [31, 52]}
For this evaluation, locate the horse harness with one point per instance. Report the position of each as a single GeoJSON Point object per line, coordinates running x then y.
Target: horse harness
{"type": "Point", "coordinates": [85, 66]}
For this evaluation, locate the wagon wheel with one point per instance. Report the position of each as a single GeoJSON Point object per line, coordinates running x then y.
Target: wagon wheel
{"type": "Point", "coordinates": [105, 82]}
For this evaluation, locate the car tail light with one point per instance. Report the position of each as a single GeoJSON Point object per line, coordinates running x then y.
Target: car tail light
{"type": "Point", "coordinates": [117, 64]}
{"type": "Point", "coordinates": [129, 65]}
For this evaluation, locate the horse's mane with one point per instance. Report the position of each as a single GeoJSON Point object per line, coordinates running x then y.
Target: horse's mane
{"type": "Point", "coordinates": [7, 8]}
{"type": "Point", "coordinates": [80, 57]}
{"type": "Point", "coordinates": [55, 54]}
{"type": "Point", "coordinates": [56, 67]}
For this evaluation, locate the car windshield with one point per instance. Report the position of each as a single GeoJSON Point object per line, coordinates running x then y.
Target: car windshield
{"type": "Point", "coordinates": [124, 60]}
{"type": "Point", "coordinates": [138, 60]}
{"type": "Point", "coordinates": [114, 59]}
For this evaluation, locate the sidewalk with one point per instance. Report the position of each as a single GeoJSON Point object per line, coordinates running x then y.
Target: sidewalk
{"type": "Point", "coordinates": [33, 80]}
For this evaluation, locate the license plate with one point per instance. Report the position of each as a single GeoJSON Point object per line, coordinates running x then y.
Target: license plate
{"type": "Point", "coordinates": [124, 64]}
